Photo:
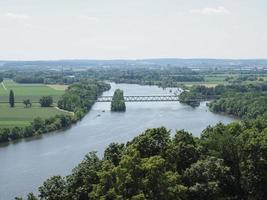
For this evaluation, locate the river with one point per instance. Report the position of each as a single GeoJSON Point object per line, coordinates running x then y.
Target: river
{"type": "Point", "coordinates": [26, 164]}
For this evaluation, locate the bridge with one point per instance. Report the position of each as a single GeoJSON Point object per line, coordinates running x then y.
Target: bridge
{"type": "Point", "coordinates": [142, 98]}
{"type": "Point", "coordinates": [155, 98]}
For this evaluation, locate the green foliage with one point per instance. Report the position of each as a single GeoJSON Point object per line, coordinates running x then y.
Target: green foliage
{"type": "Point", "coordinates": [80, 97]}
{"type": "Point", "coordinates": [114, 152]}
{"type": "Point", "coordinates": [53, 189]}
{"type": "Point", "coordinates": [27, 102]}
{"type": "Point", "coordinates": [206, 179]}
{"type": "Point", "coordinates": [244, 105]}
{"type": "Point", "coordinates": [84, 91]}
{"type": "Point", "coordinates": [4, 134]}
{"type": "Point", "coordinates": [229, 96]}
{"type": "Point", "coordinates": [46, 101]}
{"type": "Point", "coordinates": [28, 79]}
{"type": "Point", "coordinates": [118, 103]}
{"type": "Point", "coordinates": [227, 162]}
{"type": "Point", "coordinates": [11, 99]}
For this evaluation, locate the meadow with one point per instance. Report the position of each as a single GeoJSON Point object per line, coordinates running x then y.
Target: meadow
{"type": "Point", "coordinates": [28, 91]}
{"type": "Point", "coordinates": [20, 115]}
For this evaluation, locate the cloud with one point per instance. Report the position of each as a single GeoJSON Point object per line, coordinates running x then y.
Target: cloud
{"type": "Point", "coordinates": [88, 18]}
{"type": "Point", "coordinates": [16, 16]}
{"type": "Point", "coordinates": [220, 10]}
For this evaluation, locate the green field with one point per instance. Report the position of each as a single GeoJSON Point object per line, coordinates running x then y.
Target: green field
{"type": "Point", "coordinates": [28, 91]}
{"type": "Point", "coordinates": [21, 116]}
{"type": "Point", "coordinates": [216, 79]}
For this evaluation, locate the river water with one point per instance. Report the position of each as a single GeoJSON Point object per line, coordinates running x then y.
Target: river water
{"type": "Point", "coordinates": [26, 164]}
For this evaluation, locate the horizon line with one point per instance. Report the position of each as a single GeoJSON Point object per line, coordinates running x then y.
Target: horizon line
{"type": "Point", "coordinates": [124, 59]}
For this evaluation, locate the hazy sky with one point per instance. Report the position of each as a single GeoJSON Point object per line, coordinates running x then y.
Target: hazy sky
{"type": "Point", "coordinates": [104, 29]}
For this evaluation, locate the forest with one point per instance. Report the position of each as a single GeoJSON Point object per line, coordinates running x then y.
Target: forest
{"type": "Point", "coordinates": [240, 100]}
{"type": "Point", "coordinates": [244, 105]}
{"type": "Point", "coordinates": [226, 162]}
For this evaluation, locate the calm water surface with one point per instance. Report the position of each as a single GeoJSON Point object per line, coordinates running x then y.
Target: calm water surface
{"type": "Point", "coordinates": [26, 164]}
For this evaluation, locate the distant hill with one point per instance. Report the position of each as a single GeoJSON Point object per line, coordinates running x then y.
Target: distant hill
{"type": "Point", "coordinates": [191, 63]}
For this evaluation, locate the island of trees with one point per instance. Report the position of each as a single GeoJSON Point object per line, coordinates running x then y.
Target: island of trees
{"type": "Point", "coordinates": [118, 103]}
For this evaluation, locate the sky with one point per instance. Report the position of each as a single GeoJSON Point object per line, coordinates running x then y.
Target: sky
{"type": "Point", "coordinates": [132, 29]}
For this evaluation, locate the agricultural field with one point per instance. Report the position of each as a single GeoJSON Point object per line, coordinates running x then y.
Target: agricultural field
{"type": "Point", "coordinates": [21, 116]}
{"type": "Point", "coordinates": [29, 91]}
{"type": "Point", "coordinates": [216, 79]}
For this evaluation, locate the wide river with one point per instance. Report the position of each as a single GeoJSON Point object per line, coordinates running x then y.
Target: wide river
{"type": "Point", "coordinates": [26, 164]}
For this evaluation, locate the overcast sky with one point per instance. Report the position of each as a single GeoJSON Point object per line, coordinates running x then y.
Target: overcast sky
{"type": "Point", "coordinates": [107, 29]}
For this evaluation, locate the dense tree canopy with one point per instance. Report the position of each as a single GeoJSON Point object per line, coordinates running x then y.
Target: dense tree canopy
{"type": "Point", "coordinates": [226, 162]}
{"type": "Point", "coordinates": [248, 105]}
{"type": "Point", "coordinates": [80, 97]}
{"type": "Point", "coordinates": [241, 100]}
{"type": "Point", "coordinates": [118, 103]}
{"type": "Point", "coordinates": [46, 101]}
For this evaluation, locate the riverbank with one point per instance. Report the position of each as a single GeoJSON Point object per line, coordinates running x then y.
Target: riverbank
{"type": "Point", "coordinates": [72, 107]}
{"type": "Point", "coordinates": [57, 153]}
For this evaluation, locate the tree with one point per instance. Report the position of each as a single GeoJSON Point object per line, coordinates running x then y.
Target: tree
{"type": "Point", "coordinates": [53, 189]}
{"type": "Point", "coordinates": [114, 153]}
{"type": "Point", "coordinates": [28, 131]}
{"type": "Point", "coordinates": [152, 142]}
{"type": "Point", "coordinates": [11, 99]}
{"type": "Point", "coordinates": [206, 179]}
{"type": "Point", "coordinates": [15, 133]}
{"type": "Point", "coordinates": [84, 176]}
{"type": "Point", "coordinates": [46, 101]}
{"type": "Point", "coordinates": [182, 151]}
{"type": "Point", "coordinates": [27, 102]}
{"type": "Point", "coordinates": [38, 124]}
{"type": "Point", "coordinates": [4, 134]}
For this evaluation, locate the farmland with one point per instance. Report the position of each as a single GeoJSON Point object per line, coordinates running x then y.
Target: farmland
{"type": "Point", "coordinates": [19, 115]}
{"type": "Point", "coordinates": [28, 91]}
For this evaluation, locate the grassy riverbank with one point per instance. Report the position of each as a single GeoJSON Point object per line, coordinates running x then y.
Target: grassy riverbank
{"type": "Point", "coordinates": [21, 116]}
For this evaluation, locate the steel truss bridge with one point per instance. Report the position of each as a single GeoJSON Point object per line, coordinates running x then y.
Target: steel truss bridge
{"type": "Point", "coordinates": [158, 98]}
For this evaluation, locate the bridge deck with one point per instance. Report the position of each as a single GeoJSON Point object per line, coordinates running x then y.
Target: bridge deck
{"type": "Point", "coordinates": [140, 98]}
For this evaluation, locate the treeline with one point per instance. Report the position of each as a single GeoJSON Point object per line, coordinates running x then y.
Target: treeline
{"type": "Point", "coordinates": [38, 126]}
{"type": "Point", "coordinates": [118, 103]}
{"type": "Point", "coordinates": [243, 105]}
{"type": "Point", "coordinates": [28, 79]}
{"type": "Point", "coordinates": [226, 162]}
{"type": "Point", "coordinates": [199, 93]}
{"type": "Point", "coordinates": [161, 76]}
{"type": "Point", "coordinates": [79, 98]}
{"type": "Point", "coordinates": [40, 76]}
